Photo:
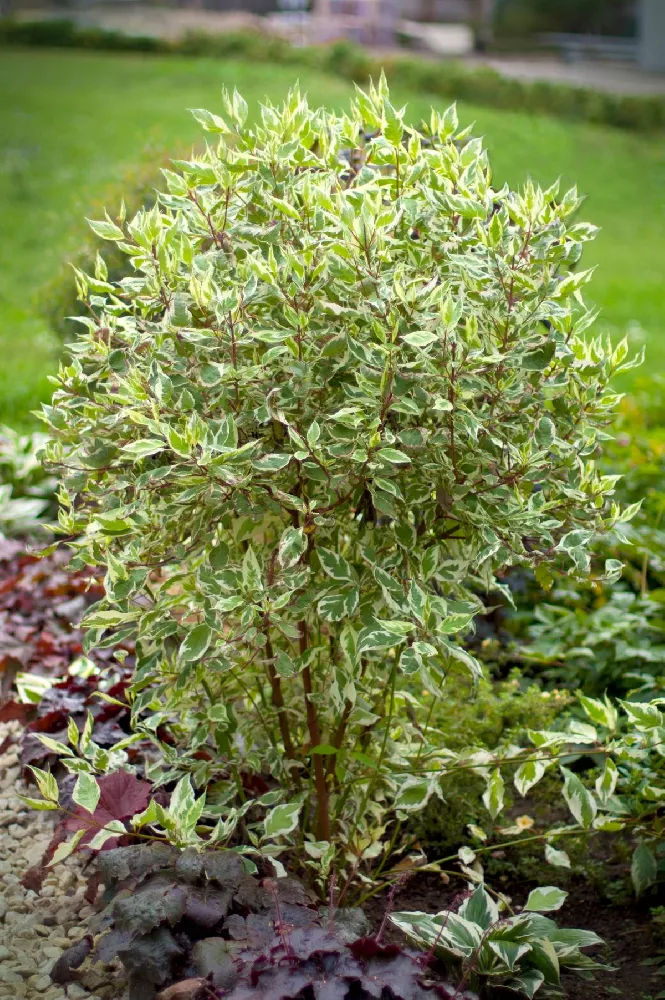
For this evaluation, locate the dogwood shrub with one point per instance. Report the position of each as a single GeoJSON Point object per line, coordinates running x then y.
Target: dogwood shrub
{"type": "Point", "coordinates": [345, 383]}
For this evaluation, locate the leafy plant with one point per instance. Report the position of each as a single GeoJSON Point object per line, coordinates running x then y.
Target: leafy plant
{"type": "Point", "coordinates": [25, 489]}
{"type": "Point", "coordinates": [172, 914]}
{"type": "Point", "coordinates": [346, 384]}
{"type": "Point", "coordinates": [524, 952]}
{"type": "Point", "coordinates": [615, 645]}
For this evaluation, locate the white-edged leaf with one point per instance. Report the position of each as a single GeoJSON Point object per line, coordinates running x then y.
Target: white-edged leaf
{"type": "Point", "coordinates": [86, 792]}
{"type": "Point", "coordinates": [195, 643]}
{"type": "Point", "coordinates": [494, 792]}
{"type": "Point", "coordinates": [46, 783]}
{"type": "Point", "coordinates": [114, 828]}
{"type": "Point", "coordinates": [335, 566]}
{"type": "Point", "coordinates": [580, 800]}
{"type": "Point", "coordinates": [63, 851]}
{"type": "Point", "coordinates": [555, 857]}
{"type": "Point", "coordinates": [643, 868]}
{"type": "Point", "coordinates": [529, 774]}
{"type": "Point", "coordinates": [606, 782]}
{"type": "Point", "coordinates": [292, 545]}
{"type": "Point", "coordinates": [545, 899]}
{"type": "Point", "coordinates": [282, 820]}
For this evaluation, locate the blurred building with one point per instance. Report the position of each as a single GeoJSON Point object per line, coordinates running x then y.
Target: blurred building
{"type": "Point", "coordinates": [651, 35]}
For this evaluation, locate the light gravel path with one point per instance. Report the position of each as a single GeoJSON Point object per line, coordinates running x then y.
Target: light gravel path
{"type": "Point", "coordinates": [35, 930]}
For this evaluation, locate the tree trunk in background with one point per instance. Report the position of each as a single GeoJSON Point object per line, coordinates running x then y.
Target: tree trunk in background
{"type": "Point", "coordinates": [485, 10]}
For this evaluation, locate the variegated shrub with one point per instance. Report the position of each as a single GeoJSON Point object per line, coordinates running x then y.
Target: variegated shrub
{"type": "Point", "coordinates": [345, 384]}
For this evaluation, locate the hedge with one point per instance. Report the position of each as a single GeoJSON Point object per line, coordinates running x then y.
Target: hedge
{"type": "Point", "coordinates": [449, 79]}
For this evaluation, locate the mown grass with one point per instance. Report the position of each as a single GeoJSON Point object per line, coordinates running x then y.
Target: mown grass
{"type": "Point", "coordinates": [73, 124]}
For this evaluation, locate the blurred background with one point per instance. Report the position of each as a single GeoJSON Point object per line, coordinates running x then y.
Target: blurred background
{"type": "Point", "coordinates": [94, 99]}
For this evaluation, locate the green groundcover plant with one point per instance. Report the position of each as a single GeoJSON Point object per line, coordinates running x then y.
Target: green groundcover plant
{"type": "Point", "coordinates": [523, 953]}
{"type": "Point", "coordinates": [346, 383]}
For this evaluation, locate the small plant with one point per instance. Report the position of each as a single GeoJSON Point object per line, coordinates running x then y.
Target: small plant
{"type": "Point", "coordinates": [175, 914]}
{"type": "Point", "coordinates": [524, 953]}
{"type": "Point", "coordinates": [616, 645]}
{"type": "Point", "coordinates": [26, 491]}
{"type": "Point", "coordinates": [346, 384]}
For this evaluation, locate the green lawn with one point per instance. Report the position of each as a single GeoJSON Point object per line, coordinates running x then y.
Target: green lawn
{"type": "Point", "coordinates": [72, 124]}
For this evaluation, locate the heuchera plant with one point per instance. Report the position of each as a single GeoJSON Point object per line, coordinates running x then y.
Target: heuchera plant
{"type": "Point", "coordinates": [345, 385]}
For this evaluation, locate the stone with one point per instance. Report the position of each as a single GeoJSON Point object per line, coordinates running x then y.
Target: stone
{"type": "Point", "coordinates": [3, 907]}
{"type": "Point", "coordinates": [5, 953]}
{"type": "Point", "coordinates": [60, 942]}
{"type": "Point", "coordinates": [9, 976]}
{"type": "Point", "coordinates": [52, 952]}
{"type": "Point", "coordinates": [76, 992]}
{"type": "Point", "coordinates": [42, 983]}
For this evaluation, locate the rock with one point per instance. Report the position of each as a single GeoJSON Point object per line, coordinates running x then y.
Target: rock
{"type": "Point", "coordinates": [4, 953]}
{"type": "Point", "coordinates": [51, 952]}
{"type": "Point", "coordinates": [76, 992]}
{"type": "Point", "coordinates": [60, 942]}
{"type": "Point", "coordinates": [188, 989]}
{"type": "Point", "coordinates": [211, 958]}
{"type": "Point", "coordinates": [3, 907]}
{"type": "Point", "coordinates": [9, 976]}
{"type": "Point", "coordinates": [42, 983]}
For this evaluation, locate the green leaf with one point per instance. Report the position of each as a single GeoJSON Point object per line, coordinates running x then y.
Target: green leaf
{"type": "Point", "coordinates": [420, 338]}
{"type": "Point", "coordinates": [529, 774]}
{"type": "Point", "coordinates": [339, 605]}
{"type": "Point", "coordinates": [144, 448]}
{"type": "Point", "coordinates": [313, 434]}
{"type": "Point", "coordinates": [109, 619]}
{"type": "Point", "coordinates": [292, 545]}
{"type": "Point", "coordinates": [643, 868]}
{"type": "Point", "coordinates": [284, 665]}
{"type": "Point", "coordinates": [272, 463]}
{"type": "Point", "coordinates": [545, 899]}
{"type": "Point", "coordinates": [335, 566]}
{"type": "Point", "coordinates": [410, 662]}
{"type": "Point", "coordinates": [414, 794]}
{"type": "Point", "coordinates": [72, 733]}
{"type": "Point", "coordinates": [63, 851]}
{"type": "Point", "coordinates": [86, 792]}
{"type": "Point", "coordinates": [494, 792]}
{"type": "Point", "coordinates": [251, 570]}
{"type": "Point", "coordinates": [196, 643]}
{"type": "Point", "coordinates": [607, 781]}
{"type": "Point", "coordinates": [394, 456]}
{"type": "Point", "coordinates": [643, 714]}
{"type": "Point", "coordinates": [555, 857]}
{"type": "Point", "coordinates": [46, 783]}
{"type": "Point", "coordinates": [538, 360]}
{"type": "Point", "coordinates": [106, 230]}
{"type": "Point", "coordinates": [580, 801]}
{"type": "Point", "coordinates": [182, 800]}
{"type": "Point", "coordinates": [282, 820]}
{"type": "Point", "coordinates": [479, 908]}
{"type": "Point", "coordinates": [114, 828]}
{"type": "Point", "coordinates": [454, 623]}
{"type": "Point", "coordinates": [325, 749]}
{"type": "Point", "coordinates": [40, 804]}
{"type": "Point", "coordinates": [209, 122]}
{"type": "Point", "coordinates": [373, 637]}
{"type": "Point", "coordinates": [60, 748]}
{"type": "Point", "coordinates": [600, 713]}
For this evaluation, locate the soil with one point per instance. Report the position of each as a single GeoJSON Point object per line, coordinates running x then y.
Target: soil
{"type": "Point", "coordinates": [628, 930]}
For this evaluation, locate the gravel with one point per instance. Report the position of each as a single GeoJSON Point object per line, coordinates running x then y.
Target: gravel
{"type": "Point", "coordinates": [36, 929]}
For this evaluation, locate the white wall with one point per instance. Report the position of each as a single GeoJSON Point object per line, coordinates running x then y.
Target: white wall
{"type": "Point", "coordinates": [652, 35]}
